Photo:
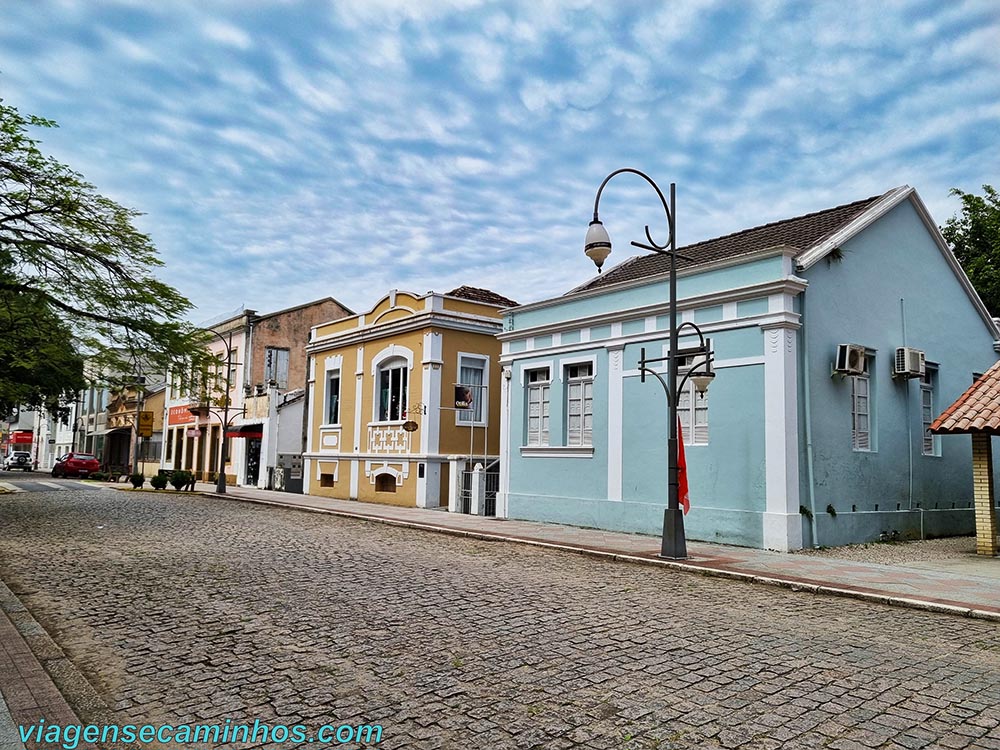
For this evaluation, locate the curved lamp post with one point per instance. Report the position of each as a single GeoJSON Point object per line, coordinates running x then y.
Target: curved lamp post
{"type": "Point", "coordinates": [597, 247]}
{"type": "Point", "coordinates": [220, 485]}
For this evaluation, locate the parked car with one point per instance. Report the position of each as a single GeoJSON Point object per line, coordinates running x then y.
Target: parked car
{"type": "Point", "coordinates": [17, 460]}
{"type": "Point", "coordinates": [75, 465]}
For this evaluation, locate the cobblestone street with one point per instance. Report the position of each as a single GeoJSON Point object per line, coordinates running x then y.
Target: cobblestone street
{"type": "Point", "coordinates": [180, 609]}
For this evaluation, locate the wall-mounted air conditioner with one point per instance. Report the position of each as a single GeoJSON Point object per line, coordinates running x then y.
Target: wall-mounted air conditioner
{"type": "Point", "coordinates": [851, 359]}
{"type": "Point", "coordinates": [909, 363]}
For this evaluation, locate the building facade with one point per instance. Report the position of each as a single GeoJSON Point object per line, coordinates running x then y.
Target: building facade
{"type": "Point", "coordinates": [404, 398]}
{"type": "Point", "coordinates": [790, 446]}
{"type": "Point", "coordinates": [262, 357]}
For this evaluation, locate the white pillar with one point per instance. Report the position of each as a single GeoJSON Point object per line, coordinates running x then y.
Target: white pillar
{"type": "Point", "coordinates": [454, 483]}
{"type": "Point", "coordinates": [478, 505]}
{"type": "Point", "coordinates": [614, 436]}
{"type": "Point", "coordinates": [504, 488]}
{"type": "Point", "coordinates": [782, 521]}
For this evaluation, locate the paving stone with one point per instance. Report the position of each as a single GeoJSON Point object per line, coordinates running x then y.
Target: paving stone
{"type": "Point", "coordinates": [188, 608]}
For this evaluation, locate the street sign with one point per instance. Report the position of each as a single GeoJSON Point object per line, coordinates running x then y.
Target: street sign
{"type": "Point", "coordinates": [146, 424]}
{"type": "Point", "coordinates": [410, 426]}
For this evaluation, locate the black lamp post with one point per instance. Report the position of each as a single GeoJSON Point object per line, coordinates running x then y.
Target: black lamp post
{"type": "Point", "coordinates": [597, 247]}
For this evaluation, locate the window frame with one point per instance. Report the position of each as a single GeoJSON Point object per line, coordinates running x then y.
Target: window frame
{"type": "Point", "coordinates": [579, 437]}
{"type": "Point", "coordinates": [867, 443]}
{"type": "Point", "coordinates": [930, 445]}
{"type": "Point", "coordinates": [481, 397]}
{"type": "Point", "coordinates": [543, 387]}
{"type": "Point", "coordinates": [332, 375]}
{"type": "Point", "coordinates": [387, 366]}
{"type": "Point", "coordinates": [274, 363]}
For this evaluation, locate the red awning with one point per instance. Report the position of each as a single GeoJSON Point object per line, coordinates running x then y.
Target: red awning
{"type": "Point", "coordinates": [245, 434]}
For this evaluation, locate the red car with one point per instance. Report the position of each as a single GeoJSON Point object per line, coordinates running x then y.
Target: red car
{"type": "Point", "coordinates": [75, 465]}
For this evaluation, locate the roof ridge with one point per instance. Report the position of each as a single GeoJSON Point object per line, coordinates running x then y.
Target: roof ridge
{"type": "Point", "coordinates": [799, 217]}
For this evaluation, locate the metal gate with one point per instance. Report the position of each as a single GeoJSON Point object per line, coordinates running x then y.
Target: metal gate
{"type": "Point", "coordinates": [490, 478]}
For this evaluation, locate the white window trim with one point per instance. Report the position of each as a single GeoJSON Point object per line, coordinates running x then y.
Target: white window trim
{"type": "Point", "coordinates": [326, 397]}
{"type": "Point", "coordinates": [392, 351]}
{"type": "Point", "coordinates": [930, 387]}
{"type": "Point", "coordinates": [484, 392]}
{"type": "Point", "coordinates": [527, 403]}
{"type": "Point", "coordinates": [854, 412]}
{"type": "Point", "coordinates": [565, 365]}
{"type": "Point", "coordinates": [688, 429]}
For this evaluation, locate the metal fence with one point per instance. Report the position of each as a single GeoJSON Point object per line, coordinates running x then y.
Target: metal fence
{"type": "Point", "coordinates": [491, 483]}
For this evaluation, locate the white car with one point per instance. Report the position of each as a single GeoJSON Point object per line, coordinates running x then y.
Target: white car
{"type": "Point", "coordinates": [17, 460]}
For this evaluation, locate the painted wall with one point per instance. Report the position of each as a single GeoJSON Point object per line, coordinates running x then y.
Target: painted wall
{"type": "Point", "coordinates": [455, 438]}
{"type": "Point", "coordinates": [890, 276]}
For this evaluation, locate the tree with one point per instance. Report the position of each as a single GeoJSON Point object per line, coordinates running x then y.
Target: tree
{"type": "Point", "coordinates": [41, 368]}
{"type": "Point", "coordinates": [74, 258]}
{"type": "Point", "coordinates": [974, 236]}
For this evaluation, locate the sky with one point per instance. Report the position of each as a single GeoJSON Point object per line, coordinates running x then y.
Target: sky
{"type": "Point", "coordinates": [285, 151]}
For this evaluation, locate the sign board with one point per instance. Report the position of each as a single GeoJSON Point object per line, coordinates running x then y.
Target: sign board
{"type": "Point", "coordinates": [52, 441]}
{"type": "Point", "coordinates": [179, 415]}
{"type": "Point", "coordinates": [193, 432]}
{"type": "Point", "coordinates": [463, 397]}
{"type": "Point", "coordinates": [410, 426]}
{"type": "Point", "coordinates": [146, 424]}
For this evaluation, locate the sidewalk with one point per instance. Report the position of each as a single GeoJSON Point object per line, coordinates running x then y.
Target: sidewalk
{"type": "Point", "coordinates": [968, 586]}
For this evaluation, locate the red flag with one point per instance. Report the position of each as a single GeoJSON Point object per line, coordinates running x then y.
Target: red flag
{"type": "Point", "coordinates": [683, 497]}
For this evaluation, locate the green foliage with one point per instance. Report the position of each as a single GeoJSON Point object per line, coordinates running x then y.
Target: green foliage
{"type": "Point", "coordinates": [39, 364]}
{"type": "Point", "coordinates": [180, 478]}
{"type": "Point", "coordinates": [137, 480]}
{"type": "Point", "coordinates": [68, 250]}
{"type": "Point", "coordinates": [158, 482]}
{"type": "Point", "coordinates": [974, 236]}
{"type": "Point", "coordinates": [98, 476]}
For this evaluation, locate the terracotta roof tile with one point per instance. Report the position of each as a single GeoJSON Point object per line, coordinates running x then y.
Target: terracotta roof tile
{"type": "Point", "coordinates": [976, 410]}
{"type": "Point", "coordinates": [481, 295]}
{"type": "Point", "coordinates": [801, 232]}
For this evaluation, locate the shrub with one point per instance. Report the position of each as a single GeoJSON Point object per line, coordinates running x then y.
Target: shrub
{"type": "Point", "coordinates": [159, 482]}
{"type": "Point", "coordinates": [180, 478]}
{"type": "Point", "coordinates": [99, 476]}
{"type": "Point", "coordinates": [137, 480]}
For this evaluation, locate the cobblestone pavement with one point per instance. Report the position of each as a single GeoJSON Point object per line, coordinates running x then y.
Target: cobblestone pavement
{"type": "Point", "coordinates": [195, 610]}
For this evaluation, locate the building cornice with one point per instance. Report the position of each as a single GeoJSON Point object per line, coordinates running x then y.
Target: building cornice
{"type": "Point", "coordinates": [574, 294]}
{"type": "Point", "coordinates": [418, 322]}
{"type": "Point", "coordinates": [789, 285]}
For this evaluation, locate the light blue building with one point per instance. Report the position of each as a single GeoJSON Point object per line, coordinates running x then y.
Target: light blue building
{"type": "Point", "coordinates": [838, 336]}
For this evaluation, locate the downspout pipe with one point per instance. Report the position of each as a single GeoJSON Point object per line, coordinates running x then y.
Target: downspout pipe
{"type": "Point", "coordinates": [806, 397]}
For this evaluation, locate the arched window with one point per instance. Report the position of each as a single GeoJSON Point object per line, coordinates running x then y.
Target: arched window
{"type": "Point", "coordinates": [385, 483]}
{"type": "Point", "coordinates": [392, 389]}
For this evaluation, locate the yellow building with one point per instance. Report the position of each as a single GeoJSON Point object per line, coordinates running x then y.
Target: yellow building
{"type": "Point", "coordinates": [404, 398]}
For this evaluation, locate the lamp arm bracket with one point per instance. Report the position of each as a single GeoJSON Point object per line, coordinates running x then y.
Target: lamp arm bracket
{"type": "Point", "coordinates": [694, 371]}
{"type": "Point", "coordinates": [663, 201]}
{"type": "Point", "coordinates": [666, 388]}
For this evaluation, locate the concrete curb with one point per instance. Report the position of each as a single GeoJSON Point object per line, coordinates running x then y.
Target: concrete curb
{"type": "Point", "coordinates": [792, 585]}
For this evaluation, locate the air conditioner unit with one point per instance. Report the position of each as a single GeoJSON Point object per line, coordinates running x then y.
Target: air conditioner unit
{"type": "Point", "coordinates": [851, 359]}
{"type": "Point", "coordinates": [909, 363]}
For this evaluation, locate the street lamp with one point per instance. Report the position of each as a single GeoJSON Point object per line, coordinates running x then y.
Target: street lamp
{"type": "Point", "coordinates": [220, 485]}
{"type": "Point", "coordinates": [597, 247]}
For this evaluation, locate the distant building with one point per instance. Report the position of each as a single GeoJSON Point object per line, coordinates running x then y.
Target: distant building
{"type": "Point", "coordinates": [404, 398]}
{"type": "Point", "coordinates": [268, 361]}
{"type": "Point", "coordinates": [837, 338]}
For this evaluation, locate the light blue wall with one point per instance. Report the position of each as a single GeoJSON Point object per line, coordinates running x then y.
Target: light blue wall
{"type": "Point", "coordinates": [726, 478]}
{"type": "Point", "coordinates": [856, 299]}
{"type": "Point", "coordinates": [754, 272]}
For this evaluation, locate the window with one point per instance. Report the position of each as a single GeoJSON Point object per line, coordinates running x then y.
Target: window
{"type": "Point", "coordinates": [392, 387]}
{"type": "Point", "coordinates": [276, 366]}
{"type": "Point", "coordinates": [861, 412]}
{"type": "Point", "coordinates": [333, 397]}
{"type": "Point", "coordinates": [692, 412]}
{"type": "Point", "coordinates": [538, 406]}
{"type": "Point", "coordinates": [385, 483]}
{"type": "Point", "coordinates": [471, 376]}
{"type": "Point", "coordinates": [930, 444]}
{"type": "Point", "coordinates": [580, 404]}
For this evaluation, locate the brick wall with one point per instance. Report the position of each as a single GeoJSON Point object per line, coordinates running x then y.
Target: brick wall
{"type": "Point", "coordinates": [982, 476]}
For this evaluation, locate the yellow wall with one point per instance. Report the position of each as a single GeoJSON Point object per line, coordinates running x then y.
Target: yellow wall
{"type": "Point", "coordinates": [455, 438]}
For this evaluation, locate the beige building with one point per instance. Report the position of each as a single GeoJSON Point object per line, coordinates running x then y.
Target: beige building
{"type": "Point", "coordinates": [266, 360]}
{"type": "Point", "coordinates": [404, 398]}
